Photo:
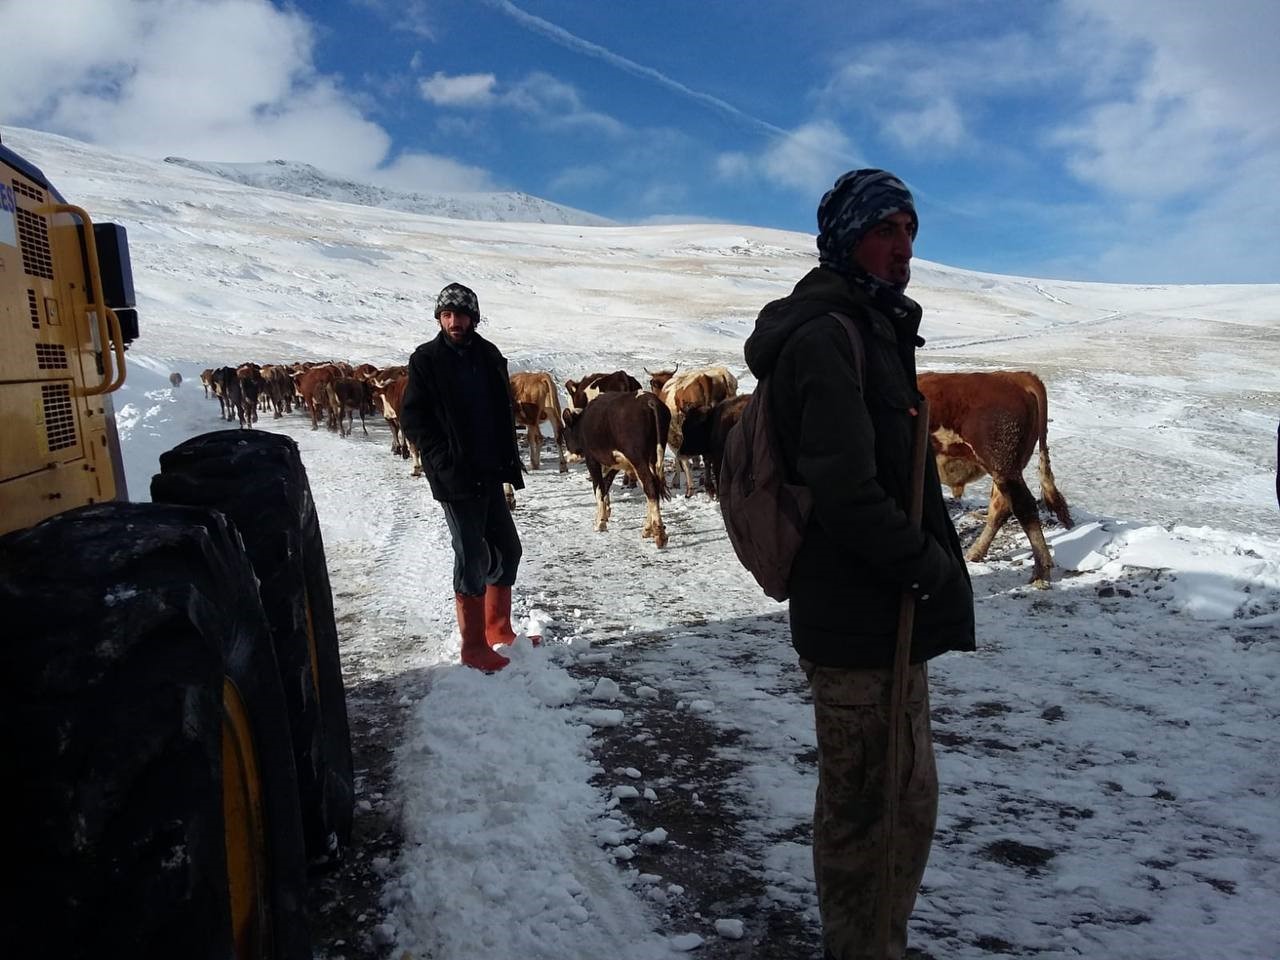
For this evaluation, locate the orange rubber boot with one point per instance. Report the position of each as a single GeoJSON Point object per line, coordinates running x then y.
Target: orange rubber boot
{"type": "Point", "coordinates": [497, 615]}
{"type": "Point", "coordinates": [475, 650]}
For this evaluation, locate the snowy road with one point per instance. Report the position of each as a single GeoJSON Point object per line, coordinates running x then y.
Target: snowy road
{"type": "Point", "coordinates": [1107, 762]}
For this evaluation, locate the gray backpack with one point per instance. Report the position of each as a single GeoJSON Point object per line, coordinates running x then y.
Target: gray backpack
{"type": "Point", "coordinates": [764, 514]}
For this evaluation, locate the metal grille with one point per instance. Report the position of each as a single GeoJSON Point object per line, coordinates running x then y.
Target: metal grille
{"type": "Point", "coordinates": [33, 237]}
{"type": "Point", "coordinates": [59, 416]}
{"type": "Point", "coordinates": [51, 356]}
{"type": "Point", "coordinates": [28, 191]}
{"type": "Point", "coordinates": [34, 304]}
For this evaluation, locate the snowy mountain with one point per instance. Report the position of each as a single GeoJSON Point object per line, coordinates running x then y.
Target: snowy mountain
{"type": "Point", "coordinates": [288, 176]}
{"type": "Point", "coordinates": [642, 783]}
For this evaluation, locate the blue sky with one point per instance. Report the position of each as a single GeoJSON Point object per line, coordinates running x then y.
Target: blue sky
{"type": "Point", "coordinates": [1131, 140]}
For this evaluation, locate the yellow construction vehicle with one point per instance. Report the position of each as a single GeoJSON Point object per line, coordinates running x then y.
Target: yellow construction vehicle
{"type": "Point", "coordinates": [177, 749]}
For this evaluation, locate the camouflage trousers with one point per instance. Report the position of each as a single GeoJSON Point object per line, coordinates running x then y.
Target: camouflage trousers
{"type": "Point", "coordinates": [851, 710]}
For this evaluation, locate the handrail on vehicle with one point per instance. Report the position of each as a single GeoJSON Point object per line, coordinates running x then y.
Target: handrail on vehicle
{"type": "Point", "coordinates": [110, 336]}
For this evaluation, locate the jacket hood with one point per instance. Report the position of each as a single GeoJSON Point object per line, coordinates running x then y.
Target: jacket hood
{"type": "Point", "coordinates": [822, 291]}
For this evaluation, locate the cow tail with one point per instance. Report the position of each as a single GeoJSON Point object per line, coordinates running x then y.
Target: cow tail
{"type": "Point", "coordinates": [555, 408]}
{"type": "Point", "coordinates": [1053, 498]}
{"type": "Point", "coordinates": [660, 474]}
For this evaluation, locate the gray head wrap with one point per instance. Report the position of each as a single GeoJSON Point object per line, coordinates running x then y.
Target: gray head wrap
{"type": "Point", "coordinates": [859, 200]}
{"type": "Point", "coordinates": [457, 297]}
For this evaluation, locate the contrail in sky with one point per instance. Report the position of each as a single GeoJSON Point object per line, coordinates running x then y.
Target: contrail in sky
{"type": "Point", "coordinates": [567, 39]}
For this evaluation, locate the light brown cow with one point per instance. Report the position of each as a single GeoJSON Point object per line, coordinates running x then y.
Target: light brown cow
{"type": "Point", "coordinates": [990, 423]}
{"type": "Point", "coordinates": [390, 394]}
{"type": "Point", "coordinates": [681, 391]}
{"type": "Point", "coordinates": [535, 401]}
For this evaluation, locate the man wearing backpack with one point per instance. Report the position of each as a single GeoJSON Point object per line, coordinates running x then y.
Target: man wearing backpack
{"type": "Point", "coordinates": [845, 425]}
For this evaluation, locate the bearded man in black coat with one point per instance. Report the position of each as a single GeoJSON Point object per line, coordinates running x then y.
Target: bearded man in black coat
{"type": "Point", "coordinates": [457, 410]}
{"type": "Point", "coordinates": [846, 428]}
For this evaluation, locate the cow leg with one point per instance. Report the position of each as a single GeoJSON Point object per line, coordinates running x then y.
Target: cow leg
{"type": "Point", "coordinates": [509, 492]}
{"type": "Point", "coordinates": [564, 463]}
{"type": "Point", "coordinates": [653, 525]}
{"type": "Point", "coordinates": [602, 482]}
{"type": "Point", "coordinates": [1013, 497]}
{"type": "Point", "coordinates": [1028, 514]}
{"type": "Point", "coordinates": [535, 446]}
{"type": "Point", "coordinates": [683, 465]}
{"type": "Point", "coordinates": [417, 457]}
{"type": "Point", "coordinates": [997, 514]}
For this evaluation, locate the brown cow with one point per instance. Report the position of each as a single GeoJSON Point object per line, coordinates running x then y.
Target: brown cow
{"type": "Point", "coordinates": [617, 430]}
{"type": "Point", "coordinates": [535, 399]}
{"type": "Point", "coordinates": [312, 387]}
{"type": "Point", "coordinates": [991, 423]}
{"type": "Point", "coordinates": [583, 391]}
{"type": "Point", "coordinates": [681, 392]}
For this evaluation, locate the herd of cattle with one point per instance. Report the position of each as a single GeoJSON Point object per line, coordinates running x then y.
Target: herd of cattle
{"type": "Point", "coordinates": [980, 424]}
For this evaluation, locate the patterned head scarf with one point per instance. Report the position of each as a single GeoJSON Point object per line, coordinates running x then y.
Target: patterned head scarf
{"type": "Point", "coordinates": [859, 200]}
{"type": "Point", "coordinates": [457, 297]}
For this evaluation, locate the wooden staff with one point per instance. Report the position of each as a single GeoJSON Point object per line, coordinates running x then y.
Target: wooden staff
{"type": "Point", "coordinates": [898, 689]}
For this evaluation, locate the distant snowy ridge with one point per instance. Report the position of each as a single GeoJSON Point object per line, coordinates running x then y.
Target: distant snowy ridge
{"type": "Point", "coordinates": [289, 176]}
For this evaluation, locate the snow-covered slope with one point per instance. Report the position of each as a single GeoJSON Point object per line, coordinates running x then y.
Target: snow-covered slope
{"type": "Point", "coordinates": [289, 176]}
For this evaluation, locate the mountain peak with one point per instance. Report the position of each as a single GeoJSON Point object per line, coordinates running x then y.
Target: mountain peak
{"type": "Point", "coordinates": [304, 179]}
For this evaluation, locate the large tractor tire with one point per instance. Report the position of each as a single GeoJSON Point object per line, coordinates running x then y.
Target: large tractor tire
{"type": "Point", "coordinates": [152, 803]}
{"type": "Point", "coordinates": [257, 479]}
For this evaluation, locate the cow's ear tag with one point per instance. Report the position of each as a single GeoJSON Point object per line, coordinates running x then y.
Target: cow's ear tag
{"type": "Point", "coordinates": [913, 411]}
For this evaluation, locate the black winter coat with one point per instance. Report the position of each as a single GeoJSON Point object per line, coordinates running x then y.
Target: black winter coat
{"type": "Point", "coordinates": [459, 454]}
{"type": "Point", "coordinates": [849, 439]}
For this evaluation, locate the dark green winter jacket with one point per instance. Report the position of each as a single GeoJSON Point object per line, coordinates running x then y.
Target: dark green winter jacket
{"type": "Point", "coordinates": [848, 439]}
{"type": "Point", "coordinates": [457, 411]}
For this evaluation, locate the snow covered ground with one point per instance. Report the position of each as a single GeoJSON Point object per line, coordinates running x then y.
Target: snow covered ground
{"type": "Point", "coordinates": [642, 783]}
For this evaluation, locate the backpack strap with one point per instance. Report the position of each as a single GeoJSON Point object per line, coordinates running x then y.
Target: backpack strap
{"type": "Point", "coordinates": [859, 349]}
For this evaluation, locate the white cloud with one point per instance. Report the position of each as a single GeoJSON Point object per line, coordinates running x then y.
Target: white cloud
{"type": "Point", "coordinates": [229, 80]}
{"type": "Point", "coordinates": [555, 103]}
{"type": "Point", "coordinates": [1195, 108]}
{"type": "Point", "coordinates": [467, 90]}
{"type": "Point", "coordinates": [409, 171]}
{"type": "Point", "coordinates": [924, 95]}
{"type": "Point", "coordinates": [807, 159]}
{"type": "Point", "coordinates": [407, 16]}
{"type": "Point", "coordinates": [936, 124]}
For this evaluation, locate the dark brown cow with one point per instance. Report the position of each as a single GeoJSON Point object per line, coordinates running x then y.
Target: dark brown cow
{"type": "Point", "coordinates": [226, 387]}
{"type": "Point", "coordinates": [277, 389]}
{"type": "Point", "coordinates": [991, 423]}
{"type": "Point", "coordinates": [535, 401]}
{"type": "Point", "coordinates": [704, 433]}
{"type": "Point", "coordinates": [617, 430]}
{"type": "Point", "coordinates": [347, 396]}
{"type": "Point", "coordinates": [583, 391]}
